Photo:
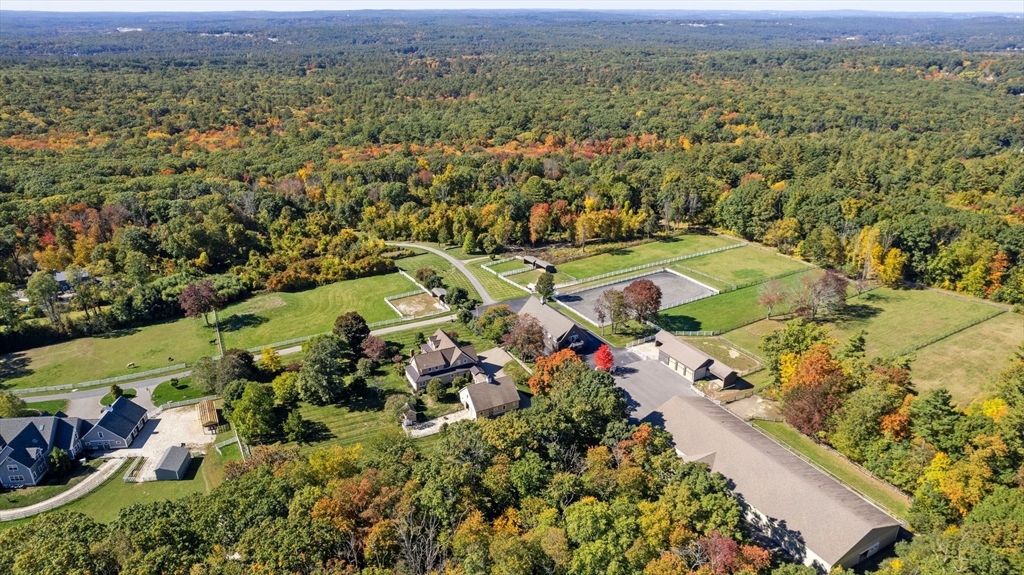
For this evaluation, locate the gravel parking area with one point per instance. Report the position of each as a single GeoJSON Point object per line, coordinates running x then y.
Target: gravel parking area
{"type": "Point", "coordinates": [675, 288]}
{"type": "Point", "coordinates": [172, 427]}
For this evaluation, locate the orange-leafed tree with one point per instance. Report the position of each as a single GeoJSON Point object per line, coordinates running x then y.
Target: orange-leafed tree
{"type": "Point", "coordinates": [547, 367]}
{"type": "Point", "coordinates": [604, 358]}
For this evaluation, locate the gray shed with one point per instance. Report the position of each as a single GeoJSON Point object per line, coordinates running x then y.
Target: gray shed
{"type": "Point", "coordinates": [174, 464]}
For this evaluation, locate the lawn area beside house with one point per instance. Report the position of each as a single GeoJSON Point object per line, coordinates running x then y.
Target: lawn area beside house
{"type": "Point", "coordinates": [274, 317]}
{"type": "Point", "coordinates": [451, 276]}
{"type": "Point", "coordinates": [181, 390]}
{"type": "Point", "coordinates": [722, 312]}
{"type": "Point", "coordinates": [741, 265]}
{"type": "Point", "coordinates": [499, 289]}
{"type": "Point", "coordinates": [51, 407]}
{"type": "Point", "coordinates": [93, 358]}
{"type": "Point", "coordinates": [967, 363]}
{"type": "Point", "coordinates": [51, 487]}
{"type": "Point", "coordinates": [108, 399]}
{"type": "Point", "coordinates": [646, 253]}
{"type": "Point", "coordinates": [874, 489]}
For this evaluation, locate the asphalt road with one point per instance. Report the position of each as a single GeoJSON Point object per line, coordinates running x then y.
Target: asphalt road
{"type": "Point", "coordinates": [487, 299]}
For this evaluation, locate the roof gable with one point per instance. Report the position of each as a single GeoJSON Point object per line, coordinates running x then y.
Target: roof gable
{"type": "Point", "coordinates": [555, 324]}
{"type": "Point", "coordinates": [122, 417]}
{"type": "Point", "coordinates": [830, 518]}
{"type": "Point", "coordinates": [681, 351]}
{"type": "Point", "coordinates": [488, 395]}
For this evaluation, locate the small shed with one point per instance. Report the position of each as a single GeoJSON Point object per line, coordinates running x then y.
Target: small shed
{"type": "Point", "coordinates": [174, 464]}
{"type": "Point", "coordinates": [408, 415]}
{"type": "Point", "coordinates": [208, 416]}
{"type": "Point", "coordinates": [440, 293]}
{"type": "Point", "coordinates": [543, 265]}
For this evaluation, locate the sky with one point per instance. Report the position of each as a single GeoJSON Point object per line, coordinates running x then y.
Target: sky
{"type": "Point", "coordinates": [1014, 6]}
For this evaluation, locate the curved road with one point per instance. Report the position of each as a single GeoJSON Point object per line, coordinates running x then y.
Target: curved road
{"type": "Point", "coordinates": [459, 265]}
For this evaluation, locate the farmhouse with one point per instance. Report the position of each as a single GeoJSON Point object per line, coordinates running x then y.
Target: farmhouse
{"type": "Point", "coordinates": [787, 501]}
{"type": "Point", "coordinates": [560, 332]}
{"type": "Point", "coordinates": [174, 464]}
{"type": "Point", "coordinates": [490, 397]}
{"type": "Point", "coordinates": [690, 362]}
{"type": "Point", "coordinates": [26, 444]}
{"type": "Point", "coordinates": [442, 358]}
{"type": "Point", "coordinates": [117, 427]}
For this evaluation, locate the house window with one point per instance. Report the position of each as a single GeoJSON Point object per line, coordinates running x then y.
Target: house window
{"type": "Point", "coordinates": [101, 434]}
{"type": "Point", "coordinates": [16, 478]}
{"type": "Point", "coordinates": [12, 468]}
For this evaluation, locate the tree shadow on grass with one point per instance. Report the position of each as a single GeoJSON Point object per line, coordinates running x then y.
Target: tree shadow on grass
{"type": "Point", "coordinates": [855, 312]}
{"type": "Point", "coordinates": [679, 323]}
{"type": "Point", "coordinates": [238, 322]}
{"type": "Point", "coordinates": [118, 333]}
{"type": "Point", "coordinates": [12, 366]}
{"type": "Point", "coordinates": [316, 432]}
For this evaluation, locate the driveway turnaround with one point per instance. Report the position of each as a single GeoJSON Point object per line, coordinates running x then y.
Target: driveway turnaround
{"type": "Point", "coordinates": [459, 265]}
{"type": "Point", "coordinates": [648, 384]}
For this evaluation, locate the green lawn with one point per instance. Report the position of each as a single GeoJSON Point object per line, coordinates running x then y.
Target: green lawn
{"type": "Point", "coordinates": [508, 266]}
{"type": "Point", "coordinates": [51, 407]}
{"type": "Point", "coordinates": [91, 358]}
{"type": "Point", "coordinates": [108, 399]}
{"type": "Point", "coordinates": [531, 276]}
{"type": "Point", "coordinates": [452, 277]}
{"type": "Point", "coordinates": [643, 254]}
{"type": "Point", "coordinates": [721, 312]}
{"type": "Point", "coordinates": [897, 319]}
{"type": "Point", "coordinates": [874, 489]}
{"type": "Point", "coordinates": [104, 503]}
{"type": "Point", "coordinates": [180, 391]}
{"type": "Point", "coordinates": [276, 317]}
{"type": "Point", "coordinates": [722, 351]}
{"type": "Point", "coordinates": [742, 265]}
{"type": "Point", "coordinates": [497, 287]}
{"type": "Point", "coordinates": [968, 362]}
{"type": "Point", "coordinates": [52, 487]}
{"type": "Point", "coordinates": [748, 337]}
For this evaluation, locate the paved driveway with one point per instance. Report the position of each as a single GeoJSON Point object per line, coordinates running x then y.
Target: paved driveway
{"type": "Point", "coordinates": [648, 384]}
{"type": "Point", "coordinates": [459, 265]}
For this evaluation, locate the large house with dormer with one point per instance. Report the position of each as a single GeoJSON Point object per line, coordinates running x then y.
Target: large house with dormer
{"type": "Point", "coordinates": [440, 357]}
{"type": "Point", "coordinates": [26, 442]}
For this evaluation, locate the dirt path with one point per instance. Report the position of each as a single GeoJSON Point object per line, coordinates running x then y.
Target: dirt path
{"type": "Point", "coordinates": [108, 468]}
{"type": "Point", "coordinates": [459, 265]}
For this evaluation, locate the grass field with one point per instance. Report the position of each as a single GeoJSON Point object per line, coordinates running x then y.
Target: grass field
{"type": "Point", "coordinates": [276, 317]}
{"type": "Point", "coordinates": [507, 266]}
{"type": "Point", "coordinates": [531, 276]}
{"type": "Point", "coordinates": [452, 277]}
{"type": "Point", "coordinates": [741, 265]}
{"type": "Point", "coordinates": [52, 488]}
{"type": "Point", "coordinates": [108, 399]}
{"type": "Point", "coordinates": [51, 407]}
{"type": "Point", "coordinates": [92, 358]}
{"type": "Point", "coordinates": [897, 319]}
{"type": "Point", "coordinates": [748, 338]}
{"type": "Point", "coordinates": [849, 473]}
{"type": "Point", "coordinates": [968, 362]}
{"type": "Point", "coordinates": [642, 254]}
{"type": "Point", "coordinates": [182, 390]}
{"type": "Point", "coordinates": [724, 352]}
{"type": "Point", "coordinates": [721, 312]}
{"type": "Point", "coordinates": [497, 287]}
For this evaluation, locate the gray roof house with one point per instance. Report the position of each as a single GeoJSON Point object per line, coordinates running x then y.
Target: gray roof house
{"type": "Point", "coordinates": [490, 397]}
{"type": "Point", "coordinates": [174, 464]}
{"type": "Point", "coordinates": [815, 519]}
{"type": "Point", "coordinates": [442, 358]}
{"type": "Point", "coordinates": [690, 362]}
{"type": "Point", "coordinates": [26, 444]}
{"type": "Point", "coordinates": [560, 332]}
{"type": "Point", "coordinates": [117, 427]}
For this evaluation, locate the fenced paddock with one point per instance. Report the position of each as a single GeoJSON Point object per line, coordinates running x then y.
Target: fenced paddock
{"type": "Point", "coordinates": [675, 288]}
{"type": "Point", "coordinates": [416, 305]}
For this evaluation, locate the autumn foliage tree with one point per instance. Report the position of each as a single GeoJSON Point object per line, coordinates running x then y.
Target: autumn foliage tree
{"type": "Point", "coordinates": [643, 298]}
{"type": "Point", "coordinates": [547, 367]}
{"type": "Point", "coordinates": [199, 299]}
{"type": "Point", "coordinates": [770, 296]}
{"type": "Point", "coordinates": [527, 337]}
{"type": "Point", "coordinates": [604, 359]}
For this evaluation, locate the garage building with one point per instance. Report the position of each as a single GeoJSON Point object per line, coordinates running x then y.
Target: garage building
{"type": "Point", "coordinates": [690, 362]}
{"type": "Point", "coordinates": [174, 464]}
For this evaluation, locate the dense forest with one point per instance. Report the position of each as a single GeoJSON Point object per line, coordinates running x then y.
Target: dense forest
{"type": "Point", "coordinates": [280, 153]}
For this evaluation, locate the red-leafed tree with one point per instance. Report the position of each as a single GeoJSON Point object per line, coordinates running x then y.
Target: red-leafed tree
{"type": "Point", "coordinates": [375, 348]}
{"type": "Point", "coordinates": [604, 359]}
{"type": "Point", "coordinates": [199, 299]}
{"type": "Point", "coordinates": [643, 298]}
{"type": "Point", "coordinates": [527, 337]}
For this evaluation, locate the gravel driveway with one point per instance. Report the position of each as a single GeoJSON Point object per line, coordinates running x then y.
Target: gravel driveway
{"type": "Point", "coordinates": [172, 427]}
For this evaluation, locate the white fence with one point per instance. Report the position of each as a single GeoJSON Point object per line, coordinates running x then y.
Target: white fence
{"type": "Point", "coordinates": [182, 403]}
{"type": "Point", "coordinates": [698, 333]}
{"type": "Point", "coordinates": [651, 265]}
{"type": "Point", "coordinates": [372, 326]}
{"type": "Point", "coordinates": [521, 270]}
{"type": "Point", "coordinates": [60, 499]}
{"type": "Point", "coordinates": [107, 381]}
{"type": "Point", "coordinates": [129, 475]}
{"type": "Point", "coordinates": [611, 282]}
{"type": "Point", "coordinates": [226, 443]}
